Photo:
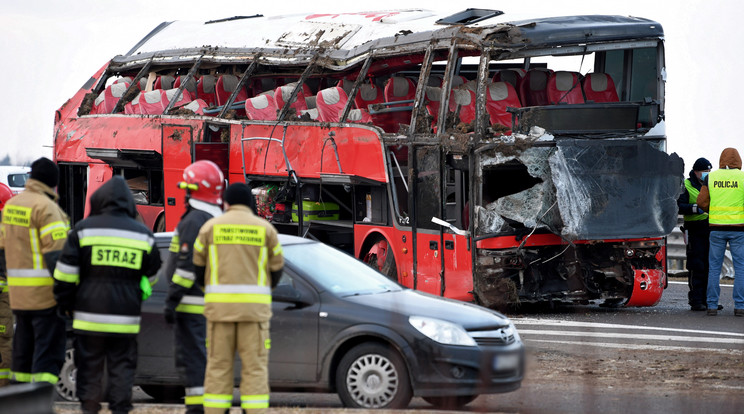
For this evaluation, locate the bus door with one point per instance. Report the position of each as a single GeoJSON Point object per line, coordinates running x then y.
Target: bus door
{"type": "Point", "coordinates": [177, 155]}
{"type": "Point", "coordinates": [426, 197]}
{"type": "Point", "coordinates": [214, 146]}
{"type": "Point", "coordinates": [457, 261]}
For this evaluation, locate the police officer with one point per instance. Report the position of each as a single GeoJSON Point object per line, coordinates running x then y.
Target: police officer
{"type": "Point", "coordinates": [239, 259]}
{"type": "Point", "coordinates": [184, 305]}
{"type": "Point", "coordinates": [722, 195]}
{"type": "Point", "coordinates": [6, 315]}
{"type": "Point", "coordinates": [696, 230]}
{"type": "Point", "coordinates": [34, 232]}
{"type": "Point", "coordinates": [101, 279]}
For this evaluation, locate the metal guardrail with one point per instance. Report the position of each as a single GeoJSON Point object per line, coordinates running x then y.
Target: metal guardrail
{"type": "Point", "coordinates": [677, 256]}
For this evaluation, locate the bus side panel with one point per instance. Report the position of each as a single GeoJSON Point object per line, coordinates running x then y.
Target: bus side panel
{"type": "Point", "coordinates": [177, 142]}
{"type": "Point", "coordinates": [97, 175]}
{"type": "Point", "coordinates": [428, 262]}
{"type": "Point", "coordinates": [458, 268]}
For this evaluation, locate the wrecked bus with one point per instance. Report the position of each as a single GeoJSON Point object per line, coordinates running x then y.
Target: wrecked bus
{"type": "Point", "coordinates": [478, 156]}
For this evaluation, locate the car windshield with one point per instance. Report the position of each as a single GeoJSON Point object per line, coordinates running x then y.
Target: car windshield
{"type": "Point", "coordinates": [335, 271]}
{"type": "Point", "coordinates": [17, 180]}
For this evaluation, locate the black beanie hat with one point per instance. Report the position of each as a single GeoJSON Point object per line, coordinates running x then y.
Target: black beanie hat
{"type": "Point", "coordinates": [238, 193]}
{"type": "Point", "coordinates": [701, 164]}
{"type": "Point", "coordinates": [46, 171]}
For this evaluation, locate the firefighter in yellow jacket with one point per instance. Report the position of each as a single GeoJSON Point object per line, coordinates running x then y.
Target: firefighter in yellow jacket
{"type": "Point", "coordinates": [238, 259]}
{"type": "Point", "coordinates": [6, 315]}
{"type": "Point", "coordinates": [34, 231]}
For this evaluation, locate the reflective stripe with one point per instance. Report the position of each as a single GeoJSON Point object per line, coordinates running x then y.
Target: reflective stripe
{"type": "Point", "coordinates": [20, 376]}
{"type": "Point", "coordinates": [61, 228]}
{"type": "Point", "coordinates": [180, 281]}
{"type": "Point", "coordinates": [29, 277]}
{"type": "Point", "coordinates": [238, 289]}
{"type": "Point", "coordinates": [277, 250]}
{"type": "Point", "coordinates": [191, 304]}
{"type": "Point", "coordinates": [218, 400]}
{"type": "Point", "coordinates": [174, 243]}
{"type": "Point", "coordinates": [693, 195]}
{"type": "Point", "coordinates": [198, 246]}
{"type": "Point", "coordinates": [194, 391]}
{"type": "Point", "coordinates": [213, 263]}
{"type": "Point", "coordinates": [192, 300]}
{"type": "Point", "coordinates": [254, 401]}
{"type": "Point", "coordinates": [98, 322]}
{"type": "Point", "coordinates": [194, 400]}
{"type": "Point", "coordinates": [263, 256]}
{"type": "Point", "coordinates": [67, 273]}
{"type": "Point", "coordinates": [44, 377]}
{"type": "Point", "coordinates": [116, 237]}
{"type": "Point", "coordinates": [5, 373]}
{"type": "Point", "coordinates": [237, 294]}
{"type": "Point", "coordinates": [35, 248]}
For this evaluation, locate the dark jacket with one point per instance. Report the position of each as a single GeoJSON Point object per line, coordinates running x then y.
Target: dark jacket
{"type": "Point", "coordinates": [99, 273]}
{"type": "Point", "coordinates": [685, 207]}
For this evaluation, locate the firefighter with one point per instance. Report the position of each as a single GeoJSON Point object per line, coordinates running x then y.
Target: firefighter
{"type": "Point", "coordinates": [101, 279]}
{"type": "Point", "coordinates": [34, 231]}
{"type": "Point", "coordinates": [696, 232]}
{"type": "Point", "coordinates": [6, 315]}
{"type": "Point", "coordinates": [238, 258]}
{"type": "Point", "coordinates": [184, 305]}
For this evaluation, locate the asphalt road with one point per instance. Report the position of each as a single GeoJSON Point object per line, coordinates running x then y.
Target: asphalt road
{"type": "Point", "coordinates": [586, 359]}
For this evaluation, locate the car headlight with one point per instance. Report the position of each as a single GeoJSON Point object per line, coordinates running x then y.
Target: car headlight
{"type": "Point", "coordinates": [512, 330]}
{"type": "Point", "coordinates": [441, 331]}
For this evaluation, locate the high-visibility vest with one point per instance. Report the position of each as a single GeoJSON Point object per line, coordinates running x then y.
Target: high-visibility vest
{"type": "Point", "coordinates": [726, 189]}
{"type": "Point", "coordinates": [693, 192]}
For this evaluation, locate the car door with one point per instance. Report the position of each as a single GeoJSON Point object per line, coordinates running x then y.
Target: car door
{"type": "Point", "coordinates": [294, 335]}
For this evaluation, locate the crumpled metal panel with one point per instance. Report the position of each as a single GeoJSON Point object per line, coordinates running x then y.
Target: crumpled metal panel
{"type": "Point", "coordinates": [615, 188]}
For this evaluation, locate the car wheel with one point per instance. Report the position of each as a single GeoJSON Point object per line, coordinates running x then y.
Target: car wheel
{"type": "Point", "coordinates": [381, 258]}
{"type": "Point", "coordinates": [66, 385]}
{"type": "Point", "coordinates": [164, 393]}
{"type": "Point", "coordinates": [452, 402]}
{"type": "Point", "coordinates": [373, 376]}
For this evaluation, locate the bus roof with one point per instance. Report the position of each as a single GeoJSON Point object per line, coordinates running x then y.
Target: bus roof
{"type": "Point", "coordinates": [347, 38]}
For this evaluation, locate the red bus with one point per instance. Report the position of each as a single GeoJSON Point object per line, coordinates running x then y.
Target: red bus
{"type": "Point", "coordinates": [472, 156]}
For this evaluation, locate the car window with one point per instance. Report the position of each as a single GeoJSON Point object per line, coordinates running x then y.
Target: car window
{"type": "Point", "coordinates": [335, 271]}
{"type": "Point", "coordinates": [17, 180]}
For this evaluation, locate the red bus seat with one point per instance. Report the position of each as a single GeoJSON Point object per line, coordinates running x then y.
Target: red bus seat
{"type": "Point", "coordinates": [107, 100]}
{"type": "Point", "coordinates": [183, 99]}
{"type": "Point", "coordinates": [197, 106]}
{"type": "Point", "coordinates": [205, 89]}
{"type": "Point", "coordinates": [501, 95]}
{"type": "Point", "coordinates": [510, 76]}
{"type": "Point", "coordinates": [226, 84]}
{"type": "Point", "coordinates": [261, 108]}
{"type": "Point", "coordinates": [533, 87]}
{"type": "Point", "coordinates": [282, 93]}
{"type": "Point", "coordinates": [564, 87]}
{"type": "Point", "coordinates": [190, 86]}
{"type": "Point", "coordinates": [435, 81]}
{"type": "Point", "coordinates": [399, 88]}
{"type": "Point", "coordinates": [433, 99]}
{"type": "Point", "coordinates": [599, 87]}
{"type": "Point", "coordinates": [331, 103]}
{"type": "Point", "coordinates": [152, 103]}
{"type": "Point", "coordinates": [458, 80]}
{"type": "Point", "coordinates": [464, 99]}
{"type": "Point", "coordinates": [164, 82]}
{"type": "Point", "coordinates": [369, 94]}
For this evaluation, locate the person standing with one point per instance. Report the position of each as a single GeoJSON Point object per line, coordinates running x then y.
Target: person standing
{"type": "Point", "coordinates": [101, 279]}
{"type": "Point", "coordinates": [184, 304]}
{"type": "Point", "coordinates": [238, 258]}
{"type": "Point", "coordinates": [34, 231]}
{"type": "Point", "coordinates": [6, 315]}
{"type": "Point", "coordinates": [722, 195]}
{"type": "Point", "coordinates": [696, 232]}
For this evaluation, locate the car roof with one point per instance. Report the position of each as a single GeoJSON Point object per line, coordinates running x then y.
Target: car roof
{"type": "Point", "coordinates": [284, 239]}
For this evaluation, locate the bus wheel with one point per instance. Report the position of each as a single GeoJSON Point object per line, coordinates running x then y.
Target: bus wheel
{"type": "Point", "coordinates": [160, 224]}
{"type": "Point", "coordinates": [380, 258]}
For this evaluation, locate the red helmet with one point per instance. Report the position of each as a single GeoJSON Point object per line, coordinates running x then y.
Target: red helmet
{"type": "Point", "coordinates": [5, 194]}
{"type": "Point", "coordinates": [204, 181]}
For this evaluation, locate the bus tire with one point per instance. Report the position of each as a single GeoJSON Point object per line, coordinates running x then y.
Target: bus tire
{"type": "Point", "coordinates": [160, 224]}
{"type": "Point", "coordinates": [380, 258]}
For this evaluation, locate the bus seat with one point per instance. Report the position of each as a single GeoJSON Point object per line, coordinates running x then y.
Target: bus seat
{"type": "Point", "coordinates": [282, 93]}
{"type": "Point", "coordinates": [153, 102]}
{"type": "Point", "coordinates": [142, 84]}
{"type": "Point", "coordinates": [125, 79]}
{"type": "Point", "coordinates": [533, 87]}
{"type": "Point", "coordinates": [435, 81]}
{"type": "Point", "coordinates": [500, 96]}
{"type": "Point", "coordinates": [183, 99]}
{"type": "Point", "coordinates": [197, 106]}
{"type": "Point", "coordinates": [312, 113]}
{"type": "Point", "coordinates": [331, 102]}
{"type": "Point", "coordinates": [565, 87]}
{"type": "Point", "coordinates": [399, 88]}
{"type": "Point", "coordinates": [261, 108]}
{"type": "Point", "coordinates": [599, 87]}
{"type": "Point", "coordinates": [470, 85]}
{"type": "Point", "coordinates": [226, 84]}
{"type": "Point", "coordinates": [433, 98]}
{"type": "Point", "coordinates": [310, 101]}
{"type": "Point", "coordinates": [458, 80]}
{"type": "Point", "coordinates": [107, 100]}
{"type": "Point", "coordinates": [346, 85]}
{"type": "Point", "coordinates": [463, 98]}
{"type": "Point", "coordinates": [205, 89]}
{"type": "Point", "coordinates": [164, 82]}
{"type": "Point", "coordinates": [511, 76]}
{"type": "Point", "coordinates": [190, 86]}
{"type": "Point", "coordinates": [369, 94]}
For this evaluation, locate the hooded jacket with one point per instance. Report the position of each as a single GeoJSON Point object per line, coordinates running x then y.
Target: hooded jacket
{"type": "Point", "coordinates": [99, 273]}
{"type": "Point", "coordinates": [729, 160]}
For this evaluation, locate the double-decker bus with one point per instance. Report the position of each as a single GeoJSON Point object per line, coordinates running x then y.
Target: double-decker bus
{"type": "Point", "coordinates": [476, 156]}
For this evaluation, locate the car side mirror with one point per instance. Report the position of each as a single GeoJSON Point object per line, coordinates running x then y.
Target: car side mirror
{"type": "Point", "coordinates": [288, 293]}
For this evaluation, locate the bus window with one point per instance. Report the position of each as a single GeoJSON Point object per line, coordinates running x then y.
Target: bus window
{"type": "Point", "coordinates": [399, 176]}
{"type": "Point", "coordinates": [428, 191]}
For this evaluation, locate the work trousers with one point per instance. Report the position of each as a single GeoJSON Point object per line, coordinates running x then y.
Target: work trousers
{"type": "Point", "coordinates": [118, 356]}
{"type": "Point", "coordinates": [251, 340]}
{"type": "Point", "coordinates": [718, 241]}
{"type": "Point", "coordinates": [697, 264]}
{"type": "Point", "coordinates": [190, 335]}
{"type": "Point", "coordinates": [6, 338]}
{"type": "Point", "coordinates": [38, 346]}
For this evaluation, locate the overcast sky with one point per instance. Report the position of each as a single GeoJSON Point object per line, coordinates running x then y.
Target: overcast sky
{"type": "Point", "coordinates": [50, 48]}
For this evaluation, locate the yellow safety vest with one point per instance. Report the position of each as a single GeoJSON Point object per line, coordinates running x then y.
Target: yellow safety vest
{"type": "Point", "coordinates": [726, 189]}
{"type": "Point", "coordinates": [693, 200]}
